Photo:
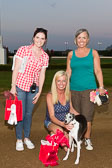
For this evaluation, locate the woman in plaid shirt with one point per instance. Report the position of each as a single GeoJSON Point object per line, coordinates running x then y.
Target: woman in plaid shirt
{"type": "Point", "coordinates": [29, 67]}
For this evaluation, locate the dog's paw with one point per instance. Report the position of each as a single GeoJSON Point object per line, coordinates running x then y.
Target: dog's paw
{"type": "Point", "coordinates": [72, 149]}
{"type": "Point", "coordinates": [77, 162]}
{"type": "Point", "coordinates": [65, 158]}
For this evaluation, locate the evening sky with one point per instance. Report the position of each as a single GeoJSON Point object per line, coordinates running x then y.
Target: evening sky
{"type": "Point", "coordinates": [61, 18]}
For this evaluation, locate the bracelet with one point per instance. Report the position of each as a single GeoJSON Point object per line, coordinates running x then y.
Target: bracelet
{"type": "Point", "coordinates": [101, 87]}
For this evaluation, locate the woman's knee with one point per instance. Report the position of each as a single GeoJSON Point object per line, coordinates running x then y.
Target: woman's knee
{"type": "Point", "coordinates": [53, 128]}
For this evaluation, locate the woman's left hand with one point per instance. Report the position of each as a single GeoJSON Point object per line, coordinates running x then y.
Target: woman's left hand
{"type": "Point", "coordinates": [36, 97]}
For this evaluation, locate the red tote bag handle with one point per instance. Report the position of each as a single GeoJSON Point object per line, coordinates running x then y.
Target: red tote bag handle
{"type": "Point", "coordinates": [19, 109]}
{"type": "Point", "coordinates": [16, 98]}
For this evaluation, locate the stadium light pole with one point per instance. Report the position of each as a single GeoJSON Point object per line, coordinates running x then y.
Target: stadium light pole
{"type": "Point", "coordinates": [99, 45]}
{"type": "Point", "coordinates": [66, 45]}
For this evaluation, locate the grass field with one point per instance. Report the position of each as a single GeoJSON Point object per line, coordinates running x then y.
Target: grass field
{"type": "Point", "coordinates": [5, 76]}
{"type": "Point", "coordinates": [106, 61]}
{"type": "Point", "coordinates": [63, 61]}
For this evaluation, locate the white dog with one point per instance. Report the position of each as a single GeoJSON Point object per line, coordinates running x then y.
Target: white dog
{"type": "Point", "coordinates": [76, 133]}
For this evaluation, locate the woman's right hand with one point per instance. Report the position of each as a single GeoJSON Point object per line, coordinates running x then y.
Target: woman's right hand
{"type": "Point", "coordinates": [101, 91]}
{"type": "Point", "coordinates": [13, 90]}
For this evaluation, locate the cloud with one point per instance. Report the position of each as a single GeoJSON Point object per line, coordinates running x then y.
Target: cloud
{"type": "Point", "coordinates": [53, 5]}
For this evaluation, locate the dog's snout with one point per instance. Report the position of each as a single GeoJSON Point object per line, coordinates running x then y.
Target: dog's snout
{"type": "Point", "coordinates": [65, 121]}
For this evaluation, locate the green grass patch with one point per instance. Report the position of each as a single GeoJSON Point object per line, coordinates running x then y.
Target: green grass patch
{"type": "Point", "coordinates": [107, 75]}
{"type": "Point", "coordinates": [5, 79]}
{"type": "Point", "coordinates": [61, 61]}
{"type": "Point", "coordinates": [55, 65]}
{"type": "Point", "coordinates": [106, 60]}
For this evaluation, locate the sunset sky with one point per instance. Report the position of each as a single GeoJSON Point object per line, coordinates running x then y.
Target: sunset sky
{"type": "Point", "coordinates": [62, 18]}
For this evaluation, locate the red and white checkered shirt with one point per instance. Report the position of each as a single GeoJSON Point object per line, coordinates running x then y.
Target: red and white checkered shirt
{"type": "Point", "coordinates": [32, 68]}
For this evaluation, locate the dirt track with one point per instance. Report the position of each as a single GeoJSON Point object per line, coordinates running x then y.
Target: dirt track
{"type": "Point", "coordinates": [100, 157]}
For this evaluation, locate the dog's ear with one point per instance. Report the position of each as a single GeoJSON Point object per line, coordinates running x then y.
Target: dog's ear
{"type": "Point", "coordinates": [73, 116]}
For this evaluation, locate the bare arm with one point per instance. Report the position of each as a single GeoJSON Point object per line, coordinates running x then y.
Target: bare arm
{"type": "Point", "coordinates": [68, 70]}
{"type": "Point", "coordinates": [14, 75]}
{"type": "Point", "coordinates": [98, 71]}
{"type": "Point", "coordinates": [41, 83]}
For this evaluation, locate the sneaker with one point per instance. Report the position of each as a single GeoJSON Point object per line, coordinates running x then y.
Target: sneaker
{"type": "Point", "coordinates": [29, 144]}
{"type": "Point", "coordinates": [19, 145]}
{"type": "Point", "coordinates": [88, 144]}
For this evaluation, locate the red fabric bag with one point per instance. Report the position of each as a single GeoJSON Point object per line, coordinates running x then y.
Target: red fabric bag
{"type": "Point", "coordinates": [48, 153]}
{"type": "Point", "coordinates": [49, 149]}
{"type": "Point", "coordinates": [58, 138]}
{"type": "Point", "coordinates": [19, 110]}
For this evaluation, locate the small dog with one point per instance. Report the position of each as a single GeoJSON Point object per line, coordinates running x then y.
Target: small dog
{"type": "Point", "coordinates": [76, 133]}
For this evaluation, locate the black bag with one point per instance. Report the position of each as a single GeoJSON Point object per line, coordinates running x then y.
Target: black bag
{"type": "Point", "coordinates": [103, 98]}
{"type": "Point", "coordinates": [33, 88]}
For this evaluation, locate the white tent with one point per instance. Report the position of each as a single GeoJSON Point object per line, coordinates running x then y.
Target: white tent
{"type": "Point", "coordinates": [3, 54]}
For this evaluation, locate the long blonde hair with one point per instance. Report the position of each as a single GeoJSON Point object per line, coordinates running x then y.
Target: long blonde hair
{"type": "Point", "coordinates": [54, 89]}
